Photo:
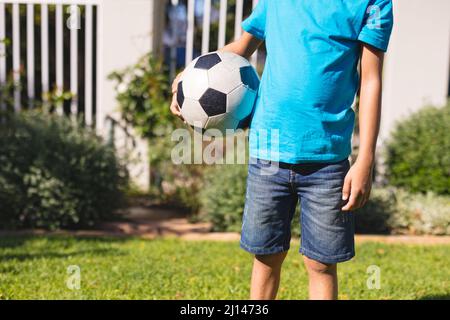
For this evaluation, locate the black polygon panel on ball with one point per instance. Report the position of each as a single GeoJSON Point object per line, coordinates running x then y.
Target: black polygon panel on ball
{"type": "Point", "coordinates": [180, 94]}
{"type": "Point", "coordinates": [207, 61]}
{"type": "Point", "coordinates": [245, 123]}
{"type": "Point", "coordinates": [249, 77]}
{"type": "Point", "coordinates": [214, 102]}
{"type": "Point", "coordinates": [198, 130]}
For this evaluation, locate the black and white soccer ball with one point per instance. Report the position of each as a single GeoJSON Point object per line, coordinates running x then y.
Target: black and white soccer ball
{"type": "Point", "coordinates": [218, 91]}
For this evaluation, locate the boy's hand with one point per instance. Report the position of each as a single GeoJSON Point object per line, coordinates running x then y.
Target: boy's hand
{"type": "Point", "coordinates": [174, 107]}
{"type": "Point", "coordinates": [357, 185]}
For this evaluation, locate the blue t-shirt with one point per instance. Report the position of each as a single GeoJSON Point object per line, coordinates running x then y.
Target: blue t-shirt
{"type": "Point", "coordinates": [304, 108]}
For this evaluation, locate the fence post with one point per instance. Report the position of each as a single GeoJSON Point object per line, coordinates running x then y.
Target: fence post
{"type": "Point", "coordinates": [123, 36]}
{"type": "Point", "coordinates": [157, 25]}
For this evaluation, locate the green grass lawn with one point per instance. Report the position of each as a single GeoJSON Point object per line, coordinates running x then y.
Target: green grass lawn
{"type": "Point", "coordinates": [36, 268]}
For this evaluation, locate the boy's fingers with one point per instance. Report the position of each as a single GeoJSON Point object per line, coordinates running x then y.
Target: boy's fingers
{"type": "Point", "coordinates": [356, 200]}
{"type": "Point", "coordinates": [174, 108]}
{"type": "Point", "coordinates": [175, 82]}
{"type": "Point", "coordinates": [346, 189]}
{"type": "Point", "coordinates": [350, 204]}
{"type": "Point", "coordinates": [176, 111]}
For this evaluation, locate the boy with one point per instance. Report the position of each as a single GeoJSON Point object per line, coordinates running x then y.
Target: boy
{"type": "Point", "coordinates": [307, 90]}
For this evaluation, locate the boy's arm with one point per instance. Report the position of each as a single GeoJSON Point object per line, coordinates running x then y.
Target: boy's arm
{"type": "Point", "coordinates": [245, 47]}
{"type": "Point", "coordinates": [358, 181]}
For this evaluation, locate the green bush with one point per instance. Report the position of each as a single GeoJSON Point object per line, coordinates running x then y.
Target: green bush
{"type": "Point", "coordinates": [172, 184]}
{"type": "Point", "coordinates": [418, 157]}
{"type": "Point", "coordinates": [400, 212]}
{"type": "Point", "coordinates": [374, 216]}
{"type": "Point", "coordinates": [421, 214]}
{"type": "Point", "coordinates": [56, 174]}
{"type": "Point", "coordinates": [223, 196]}
{"type": "Point", "coordinates": [143, 95]}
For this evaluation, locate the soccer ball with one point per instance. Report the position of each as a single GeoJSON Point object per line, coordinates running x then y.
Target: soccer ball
{"type": "Point", "coordinates": [218, 91]}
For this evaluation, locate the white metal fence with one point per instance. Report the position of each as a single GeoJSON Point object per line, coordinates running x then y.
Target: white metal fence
{"type": "Point", "coordinates": [67, 14]}
{"type": "Point", "coordinates": [203, 9]}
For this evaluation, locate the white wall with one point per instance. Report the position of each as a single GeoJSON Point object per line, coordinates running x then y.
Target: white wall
{"type": "Point", "coordinates": [124, 31]}
{"type": "Point", "coordinates": [416, 70]}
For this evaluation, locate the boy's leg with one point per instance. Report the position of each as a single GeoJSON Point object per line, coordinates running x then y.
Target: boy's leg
{"type": "Point", "coordinates": [266, 227]}
{"type": "Point", "coordinates": [323, 281]}
{"type": "Point", "coordinates": [327, 233]}
{"type": "Point", "coordinates": [266, 276]}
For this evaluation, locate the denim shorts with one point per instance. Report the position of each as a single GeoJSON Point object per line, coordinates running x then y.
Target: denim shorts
{"type": "Point", "coordinates": [273, 192]}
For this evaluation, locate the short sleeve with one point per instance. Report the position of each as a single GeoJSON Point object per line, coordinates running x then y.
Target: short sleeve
{"type": "Point", "coordinates": [255, 24]}
{"type": "Point", "coordinates": [377, 24]}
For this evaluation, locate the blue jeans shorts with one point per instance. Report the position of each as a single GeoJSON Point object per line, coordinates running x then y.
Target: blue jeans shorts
{"type": "Point", "coordinates": [273, 191]}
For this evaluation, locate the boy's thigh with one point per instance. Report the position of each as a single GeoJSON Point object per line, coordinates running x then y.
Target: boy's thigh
{"type": "Point", "coordinates": [269, 206]}
{"type": "Point", "coordinates": [327, 232]}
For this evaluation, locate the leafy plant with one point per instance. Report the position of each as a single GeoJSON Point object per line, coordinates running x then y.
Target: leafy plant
{"type": "Point", "coordinates": [398, 211]}
{"type": "Point", "coordinates": [223, 196]}
{"type": "Point", "coordinates": [418, 157]}
{"type": "Point", "coordinates": [374, 217]}
{"type": "Point", "coordinates": [173, 184]}
{"type": "Point", "coordinates": [143, 96]}
{"type": "Point", "coordinates": [421, 214]}
{"type": "Point", "coordinates": [53, 100]}
{"type": "Point", "coordinates": [6, 93]}
{"type": "Point", "coordinates": [56, 174]}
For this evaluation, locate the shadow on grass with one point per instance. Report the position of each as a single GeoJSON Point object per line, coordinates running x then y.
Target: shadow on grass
{"type": "Point", "coordinates": [58, 255]}
{"type": "Point", "coordinates": [436, 297]}
{"type": "Point", "coordinates": [13, 241]}
{"type": "Point", "coordinates": [59, 247]}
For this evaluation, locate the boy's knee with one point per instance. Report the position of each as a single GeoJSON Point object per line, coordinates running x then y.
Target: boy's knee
{"type": "Point", "coordinates": [271, 260]}
{"type": "Point", "coordinates": [319, 267]}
